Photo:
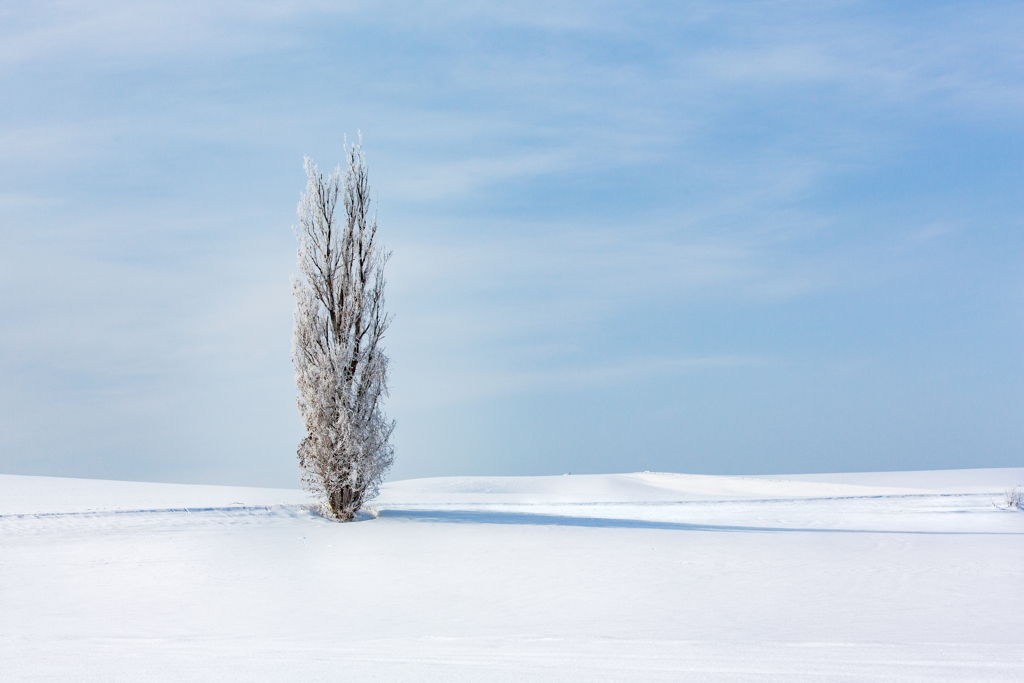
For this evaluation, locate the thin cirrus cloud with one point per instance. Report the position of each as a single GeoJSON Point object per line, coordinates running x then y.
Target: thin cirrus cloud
{"type": "Point", "coordinates": [460, 385]}
{"type": "Point", "coordinates": [144, 31]}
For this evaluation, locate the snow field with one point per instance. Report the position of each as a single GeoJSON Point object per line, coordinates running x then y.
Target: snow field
{"type": "Point", "coordinates": [644, 577]}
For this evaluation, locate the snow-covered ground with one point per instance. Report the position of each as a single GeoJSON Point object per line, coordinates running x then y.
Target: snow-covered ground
{"type": "Point", "coordinates": [906, 576]}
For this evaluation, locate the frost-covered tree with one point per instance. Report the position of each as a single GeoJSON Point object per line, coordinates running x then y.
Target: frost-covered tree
{"type": "Point", "coordinates": [340, 366]}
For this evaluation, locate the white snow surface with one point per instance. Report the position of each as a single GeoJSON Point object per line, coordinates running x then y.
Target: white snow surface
{"type": "Point", "coordinates": [893, 576]}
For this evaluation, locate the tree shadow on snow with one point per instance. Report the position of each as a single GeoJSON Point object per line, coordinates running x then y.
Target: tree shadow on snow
{"type": "Point", "coordinates": [529, 519]}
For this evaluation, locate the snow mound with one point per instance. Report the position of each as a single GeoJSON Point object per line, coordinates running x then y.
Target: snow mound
{"type": "Point", "coordinates": [52, 495]}
{"type": "Point", "coordinates": [637, 487]}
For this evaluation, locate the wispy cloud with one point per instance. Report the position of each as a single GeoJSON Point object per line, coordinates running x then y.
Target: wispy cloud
{"type": "Point", "coordinates": [153, 29]}
{"type": "Point", "coordinates": [461, 384]}
{"type": "Point", "coordinates": [449, 179]}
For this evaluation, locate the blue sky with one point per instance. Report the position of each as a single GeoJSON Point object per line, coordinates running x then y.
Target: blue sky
{"type": "Point", "coordinates": [705, 237]}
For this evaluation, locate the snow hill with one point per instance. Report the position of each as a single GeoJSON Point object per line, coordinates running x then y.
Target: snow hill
{"type": "Point", "coordinates": [909, 576]}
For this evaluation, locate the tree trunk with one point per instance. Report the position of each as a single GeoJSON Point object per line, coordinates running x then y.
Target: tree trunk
{"type": "Point", "coordinates": [341, 503]}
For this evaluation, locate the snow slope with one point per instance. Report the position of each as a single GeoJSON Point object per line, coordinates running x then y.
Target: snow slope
{"type": "Point", "coordinates": [910, 576]}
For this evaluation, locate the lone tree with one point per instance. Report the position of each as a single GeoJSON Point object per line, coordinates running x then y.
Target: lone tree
{"type": "Point", "coordinates": [340, 366]}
